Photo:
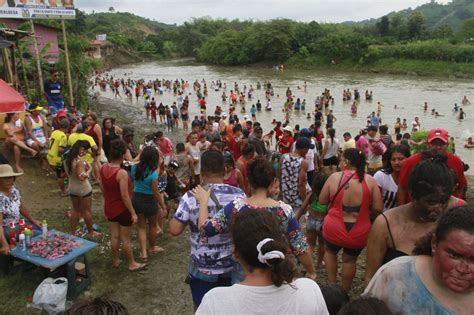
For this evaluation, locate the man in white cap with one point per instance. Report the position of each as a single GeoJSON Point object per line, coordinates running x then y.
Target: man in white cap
{"type": "Point", "coordinates": [286, 140]}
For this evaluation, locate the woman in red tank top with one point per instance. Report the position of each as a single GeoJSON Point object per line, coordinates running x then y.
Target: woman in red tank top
{"type": "Point", "coordinates": [351, 195]}
{"type": "Point", "coordinates": [117, 190]}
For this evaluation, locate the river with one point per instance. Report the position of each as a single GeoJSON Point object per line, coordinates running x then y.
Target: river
{"type": "Point", "coordinates": [408, 92]}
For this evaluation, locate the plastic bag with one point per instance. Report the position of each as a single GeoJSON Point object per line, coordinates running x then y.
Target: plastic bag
{"type": "Point", "coordinates": [50, 295]}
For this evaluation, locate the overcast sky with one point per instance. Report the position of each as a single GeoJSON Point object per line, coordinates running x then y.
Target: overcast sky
{"type": "Point", "coordinates": [179, 11]}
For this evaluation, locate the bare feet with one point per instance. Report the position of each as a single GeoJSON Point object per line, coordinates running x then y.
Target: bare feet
{"type": "Point", "coordinates": [116, 263]}
{"type": "Point", "coordinates": [19, 169]}
{"type": "Point", "coordinates": [94, 234]}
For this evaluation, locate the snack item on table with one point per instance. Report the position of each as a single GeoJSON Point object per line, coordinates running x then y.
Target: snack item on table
{"type": "Point", "coordinates": [54, 246]}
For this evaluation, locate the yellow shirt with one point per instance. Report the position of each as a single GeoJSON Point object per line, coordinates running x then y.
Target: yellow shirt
{"type": "Point", "coordinates": [350, 144]}
{"type": "Point", "coordinates": [74, 137]}
{"type": "Point", "coordinates": [58, 139]}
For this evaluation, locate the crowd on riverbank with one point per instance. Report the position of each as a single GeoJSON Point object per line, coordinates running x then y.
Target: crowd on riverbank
{"type": "Point", "coordinates": [365, 191]}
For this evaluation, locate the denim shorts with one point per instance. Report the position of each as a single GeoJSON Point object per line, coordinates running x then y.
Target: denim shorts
{"type": "Point", "coordinates": [314, 224]}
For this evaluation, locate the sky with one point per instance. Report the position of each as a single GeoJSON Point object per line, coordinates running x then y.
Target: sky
{"type": "Point", "coordinates": [179, 11]}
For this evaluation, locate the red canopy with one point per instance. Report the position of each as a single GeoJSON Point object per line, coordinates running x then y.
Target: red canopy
{"type": "Point", "coordinates": [10, 100]}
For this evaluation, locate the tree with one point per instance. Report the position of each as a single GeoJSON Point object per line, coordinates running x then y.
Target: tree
{"type": "Point", "coordinates": [467, 30]}
{"type": "Point", "coordinates": [111, 9]}
{"type": "Point", "coordinates": [443, 31]}
{"type": "Point", "coordinates": [397, 26]}
{"type": "Point", "coordinates": [416, 25]}
{"type": "Point", "coordinates": [383, 26]}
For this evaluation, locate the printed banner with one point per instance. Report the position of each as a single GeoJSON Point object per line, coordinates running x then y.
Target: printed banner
{"type": "Point", "coordinates": [37, 9]}
{"type": "Point", "coordinates": [101, 37]}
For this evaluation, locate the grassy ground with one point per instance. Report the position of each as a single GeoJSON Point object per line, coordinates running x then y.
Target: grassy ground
{"type": "Point", "coordinates": [160, 289]}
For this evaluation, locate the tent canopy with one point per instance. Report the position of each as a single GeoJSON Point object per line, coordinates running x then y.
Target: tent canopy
{"type": "Point", "coordinates": [10, 100]}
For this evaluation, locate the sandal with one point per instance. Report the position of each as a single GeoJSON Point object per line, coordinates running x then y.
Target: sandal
{"type": "Point", "coordinates": [140, 267]}
{"type": "Point", "coordinates": [157, 249]}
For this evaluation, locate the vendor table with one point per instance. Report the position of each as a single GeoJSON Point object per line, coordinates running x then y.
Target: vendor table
{"type": "Point", "coordinates": [76, 282]}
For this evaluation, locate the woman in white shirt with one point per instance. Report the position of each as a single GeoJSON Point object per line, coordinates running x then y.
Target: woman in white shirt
{"type": "Point", "coordinates": [387, 178]}
{"type": "Point", "coordinates": [269, 286]}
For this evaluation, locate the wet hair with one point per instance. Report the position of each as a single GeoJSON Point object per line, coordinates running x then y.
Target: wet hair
{"type": "Point", "coordinates": [117, 149]}
{"type": "Point", "coordinates": [248, 149]}
{"type": "Point", "coordinates": [180, 147]}
{"type": "Point", "coordinates": [372, 128]}
{"type": "Point", "coordinates": [212, 163]}
{"type": "Point", "coordinates": [332, 134]}
{"type": "Point", "coordinates": [346, 134]}
{"type": "Point", "coordinates": [251, 227]}
{"type": "Point", "coordinates": [383, 129]}
{"type": "Point", "coordinates": [398, 136]}
{"type": "Point", "coordinates": [98, 306]}
{"type": "Point", "coordinates": [149, 159]}
{"type": "Point", "coordinates": [335, 297]}
{"type": "Point", "coordinates": [260, 173]}
{"type": "Point", "coordinates": [74, 152]}
{"type": "Point", "coordinates": [365, 306]}
{"type": "Point", "coordinates": [387, 156]}
{"type": "Point", "coordinates": [430, 177]}
{"type": "Point", "coordinates": [159, 134]}
{"type": "Point", "coordinates": [317, 185]}
{"type": "Point", "coordinates": [357, 160]}
{"type": "Point", "coordinates": [8, 117]}
{"type": "Point", "coordinates": [456, 218]}
{"type": "Point", "coordinates": [229, 160]}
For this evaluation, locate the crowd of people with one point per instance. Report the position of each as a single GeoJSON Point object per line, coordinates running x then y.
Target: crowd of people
{"type": "Point", "coordinates": [255, 201]}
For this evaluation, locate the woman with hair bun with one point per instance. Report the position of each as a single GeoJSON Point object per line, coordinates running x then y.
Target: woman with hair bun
{"type": "Point", "coordinates": [352, 196]}
{"type": "Point", "coordinates": [269, 286]}
{"type": "Point", "coordinates": [262, 180]}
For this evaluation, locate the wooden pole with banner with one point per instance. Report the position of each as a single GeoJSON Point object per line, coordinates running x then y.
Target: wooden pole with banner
{"type": "Point", "coordinates": [38, 62]}
{"type": "Point", "coordinates": [68, 69]}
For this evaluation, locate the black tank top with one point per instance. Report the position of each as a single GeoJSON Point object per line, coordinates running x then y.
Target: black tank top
{"type": "Point", "coordinates": [391, 253]}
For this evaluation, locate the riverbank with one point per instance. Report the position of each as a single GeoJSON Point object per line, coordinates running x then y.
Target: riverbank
{"type": "Point", "coordinates": [408, 67]}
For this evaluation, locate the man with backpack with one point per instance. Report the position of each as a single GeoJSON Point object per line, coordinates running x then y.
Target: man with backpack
{"type": "Point", "coordinates": [376, 149]}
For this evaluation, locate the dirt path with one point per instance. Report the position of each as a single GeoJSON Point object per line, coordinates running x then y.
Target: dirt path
{"type": "Point", "coordinates": [160, 288]}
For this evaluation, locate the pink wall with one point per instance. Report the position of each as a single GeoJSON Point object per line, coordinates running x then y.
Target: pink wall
{"type": "Point", "coordinates": [44, 35]}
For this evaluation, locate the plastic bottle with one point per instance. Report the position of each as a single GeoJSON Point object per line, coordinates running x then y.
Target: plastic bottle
{"type": "Point", "coordinates": [22, 242]}
{"type": "Point", "coordinates": [44, 228]}
{"type": "Point", "coordinates": [28, 237]}
{"type": "Point", "coordinates": [11, 225]}
{"type": "Point", "coordinates": [21, 226]}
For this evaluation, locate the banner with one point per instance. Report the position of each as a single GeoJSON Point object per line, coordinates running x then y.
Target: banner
{"type": "Point", "coordinates": [101, 37]}
{"type": "Point", "coordinates": [37, 9]}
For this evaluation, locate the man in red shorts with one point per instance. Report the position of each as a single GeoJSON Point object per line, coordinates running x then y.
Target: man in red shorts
{"type": "Point", "coordinates": [438, 141]}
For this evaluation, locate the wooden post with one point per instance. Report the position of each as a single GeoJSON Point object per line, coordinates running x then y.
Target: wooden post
{"type": "Point", "coordinates": [14, 72]}
{"type": "Point", "coordinates": [22, 64]}
{"type": "Point", "coordinates": [8, 65]}
{"type": "Point", "coordinates": [38, 62]}
{"type": "Point", "coordinates": [68, 69]}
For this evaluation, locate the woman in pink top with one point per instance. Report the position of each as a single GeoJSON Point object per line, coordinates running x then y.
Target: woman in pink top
{"type": "Point", "coordinates": [361, 142]}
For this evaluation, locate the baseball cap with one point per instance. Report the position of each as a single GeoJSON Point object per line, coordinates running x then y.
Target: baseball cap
{"type": "Point", "coordinates": [438, 133]}
{"type": "Point", "coordinates": [306, 132]}
{"type": "Point", "coordinates": [34, 107]}
{"type": "Point", "coordinates": [303, 143]}
{"type": "Point", "coordinates": [61, 113]}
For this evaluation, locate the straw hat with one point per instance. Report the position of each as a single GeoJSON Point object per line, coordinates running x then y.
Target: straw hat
{"type": "Point", "coordinates": [7, 171]}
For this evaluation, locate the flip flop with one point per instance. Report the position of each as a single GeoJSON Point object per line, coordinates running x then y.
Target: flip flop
{"type": "Point", "coordinates": [157, 250]}
{"type": "Point", "coordinates": [140, 267]}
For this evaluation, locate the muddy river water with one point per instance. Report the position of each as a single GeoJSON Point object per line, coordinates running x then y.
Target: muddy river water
{"type": "Point", "coordinates": [407, 92]}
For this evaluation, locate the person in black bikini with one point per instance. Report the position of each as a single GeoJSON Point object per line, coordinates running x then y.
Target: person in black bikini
{"type": "Point", "coordinates": [395, 232]}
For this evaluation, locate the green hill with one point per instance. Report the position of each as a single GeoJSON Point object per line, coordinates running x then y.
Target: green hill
{"type": "Point", "coordinates": [436, 14]}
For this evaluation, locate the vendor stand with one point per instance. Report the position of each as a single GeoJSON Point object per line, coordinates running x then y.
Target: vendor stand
{"type": "Point", "coordinates": [77, 281]}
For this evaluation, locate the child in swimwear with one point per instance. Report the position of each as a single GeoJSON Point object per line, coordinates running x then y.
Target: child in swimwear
{"type": "Point", "coordinates": [316, 216]}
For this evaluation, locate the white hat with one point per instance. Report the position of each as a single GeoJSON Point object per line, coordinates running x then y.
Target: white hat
{"type": "Point", "coordinates": [7, 171]}
{"type": "Point", "coordinates": [289, 129]}
{"type": "Point", "coordinates": [224, 115]}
